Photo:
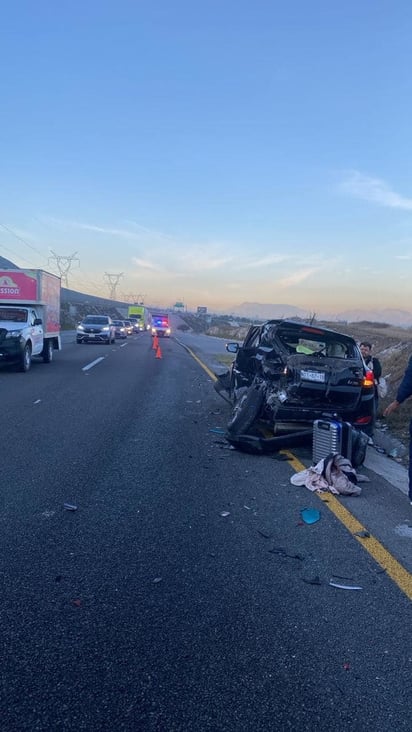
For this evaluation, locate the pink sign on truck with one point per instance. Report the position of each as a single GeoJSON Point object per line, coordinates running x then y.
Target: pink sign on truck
{"type": "Point", "coordinates": [18, 286]}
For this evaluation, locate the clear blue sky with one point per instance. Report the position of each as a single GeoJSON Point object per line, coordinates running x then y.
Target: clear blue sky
{"type": "Point", "coordinates": [212, 152]}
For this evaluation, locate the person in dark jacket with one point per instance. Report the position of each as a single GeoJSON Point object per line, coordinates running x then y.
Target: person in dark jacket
{"type": "Point", "coordinates": [404, 391]}
{"type": "Point", "coordinates": [373, 364]}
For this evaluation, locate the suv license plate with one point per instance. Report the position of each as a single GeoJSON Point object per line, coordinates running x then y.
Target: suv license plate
{"type": "Point", "coordinates": [318, 376]}
{"type": "Point", "coordinates": [91, 335]}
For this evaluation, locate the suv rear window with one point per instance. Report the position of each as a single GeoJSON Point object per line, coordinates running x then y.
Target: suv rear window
{"type": "Point", "coordinates": [303, 341]}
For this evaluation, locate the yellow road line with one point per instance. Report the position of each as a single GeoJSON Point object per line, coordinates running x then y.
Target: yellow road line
{"type": "Point", "coordinates": [398, 573]}
{"type": "Point", "coordinates": [393, 568]}
{"type": "Point", "coordinates": [203, 365]}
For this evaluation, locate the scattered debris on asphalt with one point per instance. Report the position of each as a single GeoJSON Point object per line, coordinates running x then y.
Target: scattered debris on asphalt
{"type": "Point", "coordinates": [312, 580]}
{"type": "Point", "coordinates": [70, 506]}
{"type": "Point", "coordinates": [335, 582]}
{"type": "Point", "coordinates": [283, 553]}
{"type": "Point", "coordinates": [362, 533]}
{"type": "Point", "coordinates": [265, 534]}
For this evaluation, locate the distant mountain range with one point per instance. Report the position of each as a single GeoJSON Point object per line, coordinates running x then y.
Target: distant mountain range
{"type": "Point", "coordinates": [263, 311]}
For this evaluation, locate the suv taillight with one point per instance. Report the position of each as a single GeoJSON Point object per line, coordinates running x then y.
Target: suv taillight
{"type": "Point", "coordinates": [368, 379]}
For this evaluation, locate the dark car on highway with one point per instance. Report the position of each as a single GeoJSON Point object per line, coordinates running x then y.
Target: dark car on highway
{"type": "Point", "coordinates": [96, 329]}
{"type": "Point", "coordinates": [289, 374]}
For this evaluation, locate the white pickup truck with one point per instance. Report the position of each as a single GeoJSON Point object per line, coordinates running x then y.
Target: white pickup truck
{"type": "Point", "coordinates": [29, 316]}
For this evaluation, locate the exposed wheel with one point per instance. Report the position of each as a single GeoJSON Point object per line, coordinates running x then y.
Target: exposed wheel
{"type": "Point", "coordinates": [25, 362]}
{"type": "Point", "coordinates": [48, 351]}
{"type": "Point", "coordinates": [246, 410]}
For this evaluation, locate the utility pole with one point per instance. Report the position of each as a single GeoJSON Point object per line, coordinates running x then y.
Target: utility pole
{"type": "Point", "coordinates": [63, 264]}
{"type": "Point", "coordinates": [112, 281]}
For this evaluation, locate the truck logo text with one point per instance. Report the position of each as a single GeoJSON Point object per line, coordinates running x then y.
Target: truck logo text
{"type": "Point", "coordinates": [8, 287]}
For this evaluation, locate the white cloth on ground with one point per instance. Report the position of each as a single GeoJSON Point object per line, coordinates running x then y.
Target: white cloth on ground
{"type": "Point", "coordinates": [334, 474]}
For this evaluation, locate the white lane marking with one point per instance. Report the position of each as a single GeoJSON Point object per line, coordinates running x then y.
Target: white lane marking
{"type": "Point", "coordinates": [122, 345]}
{"type": "Point", "coordinates": [37, 401]}
{"type": "Point", "coordinates": [93, 363]}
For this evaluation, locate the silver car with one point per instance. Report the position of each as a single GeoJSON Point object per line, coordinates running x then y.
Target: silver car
{"type": "Point", "coordinates": [96, 329]}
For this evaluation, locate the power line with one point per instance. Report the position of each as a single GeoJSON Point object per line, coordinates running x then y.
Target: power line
{"type": "Point", "coordinates": [20, 238]}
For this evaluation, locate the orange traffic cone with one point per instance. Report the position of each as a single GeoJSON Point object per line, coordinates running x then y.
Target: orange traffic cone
{"type": "Point", "coordinates": [158, 352]}
{"type": "Point", "coordinates": [155, 343]}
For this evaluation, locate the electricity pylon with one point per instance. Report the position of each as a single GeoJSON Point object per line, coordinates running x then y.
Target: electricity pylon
{"type": "Point", "coordinates": [113, 280]}
{"type": "Point", "coordinates": [63, 264]}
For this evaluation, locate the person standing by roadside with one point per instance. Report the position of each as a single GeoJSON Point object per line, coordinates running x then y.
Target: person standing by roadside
{"type": "Point", "coordinates": [404, 391]}
{"type": "Point", "coordinates": [373, 364]}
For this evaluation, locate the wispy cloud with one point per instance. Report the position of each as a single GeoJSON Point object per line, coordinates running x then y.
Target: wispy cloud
{"type": "Point", "coordinates": [201, 259]}
{"type": "Point", "coordinates": [173, 258]}
{"type": "Point", "coordinates": [267, 261]}
{"type": "Point", "coordinates": [145, 264]}
{"type": "Point", "coordinates": [406, 257]}
{"type": "Point", "coordinates": [151, 232]}
{"type": "Point", "coordinates": [297, 277]}
{"type": "Point", "coordinates": [106, 230]}
{"type": "Point", "coordinates": [375, 190]}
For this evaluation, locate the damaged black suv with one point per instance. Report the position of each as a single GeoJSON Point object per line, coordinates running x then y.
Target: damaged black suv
{"type": "Point", "coordinates": [289, 374]}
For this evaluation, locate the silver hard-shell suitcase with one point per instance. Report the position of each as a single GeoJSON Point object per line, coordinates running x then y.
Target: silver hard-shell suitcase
{"type": "Point", "coordinates": [331, 436]}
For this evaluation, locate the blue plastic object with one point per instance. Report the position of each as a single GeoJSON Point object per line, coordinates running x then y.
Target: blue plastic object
{"type": "Point", "coordinates": [310, 515]}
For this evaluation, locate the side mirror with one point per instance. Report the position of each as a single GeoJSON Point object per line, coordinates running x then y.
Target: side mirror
{"type": "Point", "coordinates": [232, 347]}
{"type": "Point", "coordinates": [38, 321]}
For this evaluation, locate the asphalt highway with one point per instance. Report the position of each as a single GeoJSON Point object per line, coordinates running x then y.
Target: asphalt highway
{"type": "Point", "coordinates": [179, 588]}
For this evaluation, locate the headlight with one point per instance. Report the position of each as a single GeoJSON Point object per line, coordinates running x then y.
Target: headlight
{"type": "Point", "coordinates": [80, 327]}
{"type": "Point", "coordinates": [106, 327]}
{"type": "Point", "coordinates": [13, 334]}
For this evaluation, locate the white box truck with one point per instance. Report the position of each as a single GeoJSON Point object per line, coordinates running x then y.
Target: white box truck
{"type": "Point", "coordinates": [29, 315]}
